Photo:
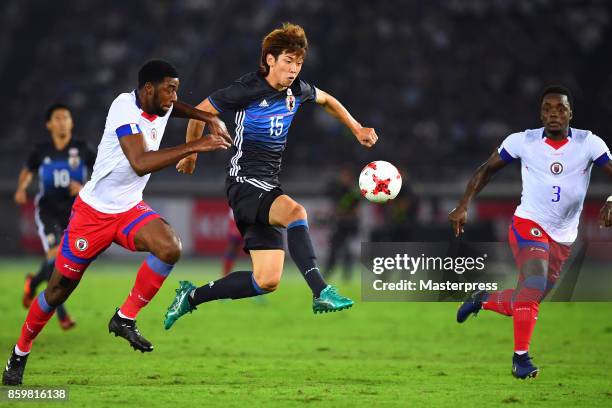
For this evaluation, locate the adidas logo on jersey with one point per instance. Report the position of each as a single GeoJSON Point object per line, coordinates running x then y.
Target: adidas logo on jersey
{"type": "Point", "coordinates": [263, 104]}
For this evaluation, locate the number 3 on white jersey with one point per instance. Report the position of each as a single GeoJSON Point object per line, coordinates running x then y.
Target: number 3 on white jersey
{"type": "Point", "coordinates": [556, 193]}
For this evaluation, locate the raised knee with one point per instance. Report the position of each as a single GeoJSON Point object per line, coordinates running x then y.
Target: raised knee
{"type": "Point", "coordinates": [170, 251]}
{"type": "Point", "coordinates": [298, 212]}
{"type": "Point", "coordinates": [268, 283]}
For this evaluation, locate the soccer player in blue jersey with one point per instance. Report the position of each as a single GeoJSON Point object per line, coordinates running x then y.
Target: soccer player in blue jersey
{"type": "Point", "coordinates": [265, 103]}
{"type": "Point", "coordinates": [63, 165]}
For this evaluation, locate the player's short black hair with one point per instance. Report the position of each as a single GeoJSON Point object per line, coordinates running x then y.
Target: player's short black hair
{"type": "Point", "coordinates": [155, 71]}
{"type": "Point", "coordinates": [558, 89]}
{"type": "Point", "coordinates": [53, 108]}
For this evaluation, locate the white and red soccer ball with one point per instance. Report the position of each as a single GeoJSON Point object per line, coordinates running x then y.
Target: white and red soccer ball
{"type": "Point", "coordinates": [380, 181]}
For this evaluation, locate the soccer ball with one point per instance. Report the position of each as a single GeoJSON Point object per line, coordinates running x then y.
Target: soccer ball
{"type": "Point", "coordinates": [380, 181]}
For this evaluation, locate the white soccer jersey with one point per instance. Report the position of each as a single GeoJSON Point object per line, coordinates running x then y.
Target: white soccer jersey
{"type": "Point", "coordinates": [114, 186]}
{"type": "Point", "coordinates": [555, 177]}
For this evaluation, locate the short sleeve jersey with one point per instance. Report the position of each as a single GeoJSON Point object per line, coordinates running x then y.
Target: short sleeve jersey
{"type": "Point", "coordinates": [263, 117]}
{"type": "Point", "coordinates": [56, 169]}
{"type": "Point", "coordinates": [555, 177]}
{"type": "Point", "coordinates": [114, 186]}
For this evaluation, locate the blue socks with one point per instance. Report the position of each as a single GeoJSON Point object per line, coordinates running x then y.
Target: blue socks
{"type": "Point", "coordinates": [236, 285]}
{"type": "Point", "coordinates": [302, 252]}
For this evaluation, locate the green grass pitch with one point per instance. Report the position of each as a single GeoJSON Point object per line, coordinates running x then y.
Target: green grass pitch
{"type": "Point", "coordinates": [277, 353]}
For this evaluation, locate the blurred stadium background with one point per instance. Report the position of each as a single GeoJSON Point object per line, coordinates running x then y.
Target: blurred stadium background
{"type": "Point", "coordinates": [442, 83]}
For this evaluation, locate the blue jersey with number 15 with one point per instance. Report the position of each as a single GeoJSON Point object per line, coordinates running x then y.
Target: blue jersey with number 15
{"type": "Point", "coordinates": [263, 116]}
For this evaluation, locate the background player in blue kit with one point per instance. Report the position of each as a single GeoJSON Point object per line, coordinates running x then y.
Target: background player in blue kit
{"type": "Point", "coordinates": [63, 165]}
{"type": "Point", "coordinates": [265, 103]}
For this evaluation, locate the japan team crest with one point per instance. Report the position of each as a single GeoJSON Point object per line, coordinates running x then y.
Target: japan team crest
{"type": "Point", "coordinates": [73, 158]}
{"type": "Point", "coordinates": [556, 168]}
{"type": "Point", "coordinates": [290, 100]}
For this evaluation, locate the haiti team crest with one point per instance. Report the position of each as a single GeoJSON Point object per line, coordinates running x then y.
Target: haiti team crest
{"type": "Point", "coordinates": [290, 100]}
{"type": "Point", "coordinates": [81, 244]}
{"type": "Point", "coordinates": [536, 232]}
{"type": "Point", "coordinates": [556, 168]}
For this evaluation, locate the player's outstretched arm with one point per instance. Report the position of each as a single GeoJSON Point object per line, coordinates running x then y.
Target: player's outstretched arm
{"type": "Point", "coordinates": [605, 214]}
{"type": "Point", "coordinates": [365, 136]}
{"type": "Point", "coordinates": [144, 162]}
{"type": "Point", "coordinates": [25, 178]}
{"type": "Point", "coordinates": [195, 129]}
{"type": "Point", "coordinates": [217, 127]}
{"type": "Point", "coordinates": [482, 176]}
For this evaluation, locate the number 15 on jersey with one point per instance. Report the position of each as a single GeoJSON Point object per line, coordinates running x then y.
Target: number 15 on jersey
{"type": "Point", "coordinates": [276, 125]}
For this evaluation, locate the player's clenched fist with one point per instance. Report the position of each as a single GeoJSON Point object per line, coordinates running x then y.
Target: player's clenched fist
{"type": "Point", "coordinates": [458, 218]}
{"type": "Point", "coordinates": [187, 165]}
{"type": "Point", "coordinates": [605, 215]}
{"type": "Point", "coordinates": [74, 187]}
{"type": "Point", "coordinates": [367, 136]}
{"type": "Point", "coordinates": [21, 197]}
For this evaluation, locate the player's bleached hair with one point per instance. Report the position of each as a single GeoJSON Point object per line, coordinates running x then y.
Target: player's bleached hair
{"type": "Point", "coordinates": [155, 71]}
{"type": "Point", "coordinates": [558, 89]}
{"type": "Point", "coordinates": [290, 38]}
{"type": "Point", "coordinates": [53, 108]}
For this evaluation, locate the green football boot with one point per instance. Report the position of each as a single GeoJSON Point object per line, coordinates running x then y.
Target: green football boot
{"type": "Point", "coordinates": [180, 305]}
{"type": "Point", "coordinates": [330, 301]}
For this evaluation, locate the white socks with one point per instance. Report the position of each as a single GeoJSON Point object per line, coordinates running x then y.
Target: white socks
{"type": "Point", "coordinates": [21, 353]}
{"type": "Point", "coordinates": [121, 315]}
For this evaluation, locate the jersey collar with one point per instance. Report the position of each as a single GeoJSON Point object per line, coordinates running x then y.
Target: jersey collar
{"type": "Point", "coordinates": [557, 144]}
{"type": "Point", "coordinates": [292, 89]}
{"type": "Point", "coordinates": [144, 114]}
